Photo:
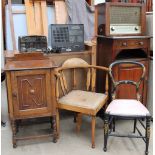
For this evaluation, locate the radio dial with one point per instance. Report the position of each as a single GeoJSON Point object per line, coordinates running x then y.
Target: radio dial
{"type": "Point", "coordinates": [112, 29]}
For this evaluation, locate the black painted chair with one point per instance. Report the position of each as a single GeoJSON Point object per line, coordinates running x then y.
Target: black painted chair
{"type": "Point", "coordinates": [126, 108]}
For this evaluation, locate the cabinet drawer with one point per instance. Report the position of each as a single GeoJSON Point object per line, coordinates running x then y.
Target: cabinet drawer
{"type": "Point", "coordinates": [131, 44]}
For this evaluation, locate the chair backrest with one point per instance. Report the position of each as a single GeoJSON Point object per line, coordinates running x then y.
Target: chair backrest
{"type": "Point", "coordinates": [74, 64]}
{"type": "Point", "coordinates": [131, 82]}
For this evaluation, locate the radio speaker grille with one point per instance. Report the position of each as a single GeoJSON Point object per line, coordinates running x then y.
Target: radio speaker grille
{"type": "Point", "coordinates": [125, 15]}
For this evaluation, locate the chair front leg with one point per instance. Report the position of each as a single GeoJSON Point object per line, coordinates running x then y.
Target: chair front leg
{"type": "Point", "coordinates": [93, 131]}
{"type": "Point", "coordinates": [106, 131]}
{"type": "Point", "coordinates": [78, 122]}
{"type": "Point", "coordinates": [148, 119]}
{"type": "Point", "coordinates": [57, 123]}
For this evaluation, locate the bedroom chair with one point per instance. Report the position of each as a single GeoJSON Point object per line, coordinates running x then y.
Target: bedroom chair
{"type": "Point", "coordinates": [82, 101]}
{"type": "Point", "coordinates": [126, 108]}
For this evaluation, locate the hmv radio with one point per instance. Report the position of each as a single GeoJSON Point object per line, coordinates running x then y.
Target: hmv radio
{"type": "Point", "coordinates": [114, 19]}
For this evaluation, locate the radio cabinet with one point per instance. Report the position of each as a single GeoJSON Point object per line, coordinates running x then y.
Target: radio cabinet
{"type": "Point", "coordinates": [31, 94]}
{"type": "Point", "coordinates": [120, 19]}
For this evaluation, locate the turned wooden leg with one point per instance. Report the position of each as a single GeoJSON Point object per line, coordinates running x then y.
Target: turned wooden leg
{"type": "Point", "coordinates": [78, 123]}
{"type": "Point", "coordinates": [57, 124]}
{"type": "Point", "coordinates": [54, 129]}
{"type": "Point", "coordinates": [93, 131]}
{"type": "Point", "coordinates": [51, 122]}
{"type": "Point", "coordinates": [14, 130]}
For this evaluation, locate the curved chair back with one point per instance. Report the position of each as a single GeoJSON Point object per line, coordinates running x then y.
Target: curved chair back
{"type": "Point", "coordinates": [135, 83]}
{"type": "Point", "coordinates": [73, 64]}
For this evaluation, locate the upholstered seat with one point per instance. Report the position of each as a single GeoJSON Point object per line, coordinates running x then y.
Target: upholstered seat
{"type": "Point", "coordinates": [83, 99]}
{"type": "Point", "coordinates": [127, 107]}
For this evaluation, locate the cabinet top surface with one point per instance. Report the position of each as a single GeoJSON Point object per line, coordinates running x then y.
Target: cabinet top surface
{"type": "Point", "coordinates": [29, 64]}
{"type": "Point", "coordinates": [124, 37]}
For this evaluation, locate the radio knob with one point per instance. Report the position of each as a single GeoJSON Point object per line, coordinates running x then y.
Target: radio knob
{"type": "Point", "coordinates": [112, 29]}
{"type": "Point", "coordinates": [136, 28]}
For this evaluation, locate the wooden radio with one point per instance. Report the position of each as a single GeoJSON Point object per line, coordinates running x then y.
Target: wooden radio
{"type": "Point", "coordinates": [120, 19]}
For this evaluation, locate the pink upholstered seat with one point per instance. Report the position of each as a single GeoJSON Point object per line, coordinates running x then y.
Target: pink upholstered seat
{"type": "Point", "coordinates": [127, 107]}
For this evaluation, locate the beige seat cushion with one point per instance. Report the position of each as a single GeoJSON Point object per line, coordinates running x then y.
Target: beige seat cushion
{"type": "Point", "coordinates": [83, 99]}
{"type": "Point", "coordinates": [127, 107]}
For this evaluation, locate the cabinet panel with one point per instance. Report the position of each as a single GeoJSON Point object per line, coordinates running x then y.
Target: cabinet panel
{"type": "Point", "coordinates": [130, 72]}
{"type": "Point", "coordinates": [31, 92]}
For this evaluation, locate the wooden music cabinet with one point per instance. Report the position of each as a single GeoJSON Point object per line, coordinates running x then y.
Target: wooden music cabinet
{"type": "Point", "coordinates": [31, 92]}
{"type": "Point", "coordinates": [134, 48]}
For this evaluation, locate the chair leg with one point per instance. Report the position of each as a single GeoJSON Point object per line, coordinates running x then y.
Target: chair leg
{"type": "Point", "coordinates": [135, 123]}
{"type": "Point", "coordinates": [57, 124]}
{"type": "Point", "coordinates": [147, 134]}
{"type": "Point", "coordinates": [113, 124]}
{"type": "Point", "coordinates": [78, 122]}
{"type": "Point", "coordinates": [75, 115]}
{"type": "Point", "coordinates": [106, 130]}
{"type": "Point", "coordinates": [93, 131]}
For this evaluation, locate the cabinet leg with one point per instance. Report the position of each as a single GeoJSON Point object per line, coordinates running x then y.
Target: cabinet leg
{"type": "Point", "coordinates": [54, 129]}
{"type": "Point", "coordinates": [51, 122]}
{"type": "Point", "coordinates": [14, 130]}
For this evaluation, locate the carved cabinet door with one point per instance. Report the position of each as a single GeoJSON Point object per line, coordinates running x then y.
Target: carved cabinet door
{"type": "Point", "coordinates": [131, 72]}
{"type": "Point", "coordinates": [31, 93]}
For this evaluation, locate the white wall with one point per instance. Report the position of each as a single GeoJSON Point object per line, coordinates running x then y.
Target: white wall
{"type": "Point", "coordinates": [98, 1]}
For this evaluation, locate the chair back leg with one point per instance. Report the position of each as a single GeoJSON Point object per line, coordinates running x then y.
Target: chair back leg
{"type": "Point", "coordinates": [78, 122]}
{"type": "Point", "coordinates": [135, 123]}
{"type": "Point", "coordinates": [57, 124]}
{"type": "Point", "coordinates": [93, 131]}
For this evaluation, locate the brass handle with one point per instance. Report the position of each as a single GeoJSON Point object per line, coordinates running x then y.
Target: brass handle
{"type": "Point", "coordinates": [124, 44]}
{"type": "Point", "coordinates": [14, 94]}
{"type": "Point", "coordinates": [141, 43]}
{"type": "Point", "coordinates": [32, 91]}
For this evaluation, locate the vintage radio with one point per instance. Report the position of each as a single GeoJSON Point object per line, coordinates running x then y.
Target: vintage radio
{"type": "Point", "coordinates": [114, 19]}
{"type": "Point", "coordinates": [32, 43]}
{"type": "Point", "coordinates": [66, 37]}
